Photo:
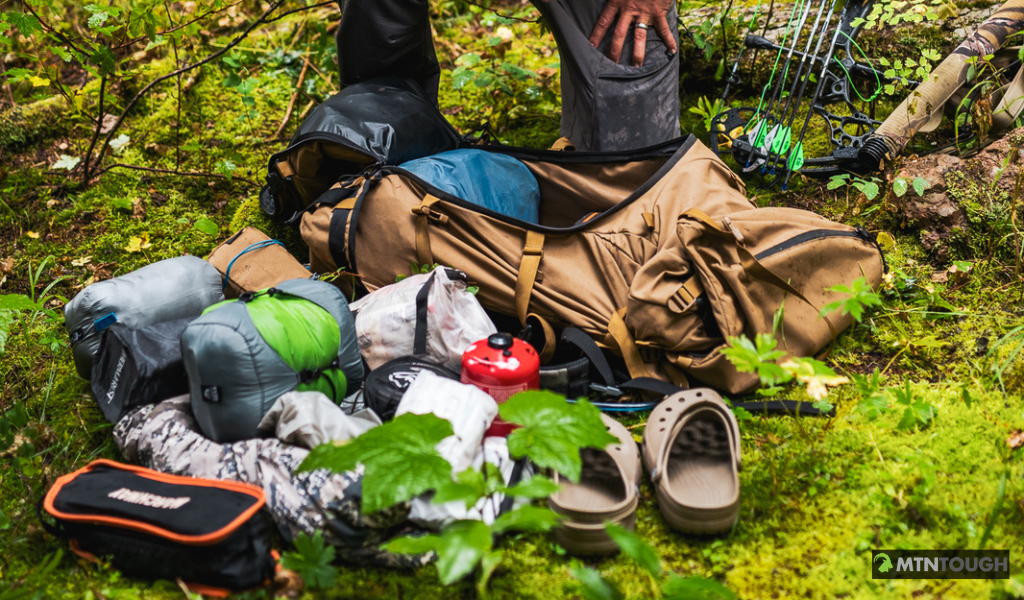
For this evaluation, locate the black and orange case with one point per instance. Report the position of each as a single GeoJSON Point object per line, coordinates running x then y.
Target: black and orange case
{"type": "Point", "coordinates": [152, 525]}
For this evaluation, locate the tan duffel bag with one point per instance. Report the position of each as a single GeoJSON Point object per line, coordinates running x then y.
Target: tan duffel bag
{"type": "Point", "coordinates": [658, 256]}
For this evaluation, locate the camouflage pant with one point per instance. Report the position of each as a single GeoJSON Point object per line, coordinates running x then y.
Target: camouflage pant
{"type": "Point", "coordinates": [165, 437]}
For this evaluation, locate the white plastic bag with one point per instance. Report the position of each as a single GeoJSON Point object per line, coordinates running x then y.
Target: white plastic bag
{"type": "Point", "coordinates": [450, 317]}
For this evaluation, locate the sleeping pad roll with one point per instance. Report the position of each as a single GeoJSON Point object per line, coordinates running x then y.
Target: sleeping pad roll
{"type": "Point", "coordinates": [241, 355]}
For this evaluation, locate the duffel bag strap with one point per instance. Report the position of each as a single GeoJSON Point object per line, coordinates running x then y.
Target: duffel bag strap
{"type": "Point", "coordinates": [622, 337]}
{"type": "Point", "coordinates": [424, 214]}
{"type": "Point", "coordinates": [533, 250]}
{"type": "Point", "coordinates": [549, 337]}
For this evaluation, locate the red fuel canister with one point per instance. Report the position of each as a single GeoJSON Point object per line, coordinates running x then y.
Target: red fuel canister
{"type": "Point", "coordinates": [502, 366]}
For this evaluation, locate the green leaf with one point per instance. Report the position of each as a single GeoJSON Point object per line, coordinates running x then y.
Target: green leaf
{"type": "Point", "coordinates": [899, 187]}
{"type": "Point", "coordinates": [517, 71]}
{"type": "Point", "coordinates": [5, 521]}
{"type": "Point", "coordinates": [7, 318]}
{"type": "Point", "coordinates": [409, 544]}
{"type": "Point", "coordinates": [312, 560]}
{"type": "Point", "coordinates": [488, 564]}
{"type": "Point", "coordinates": [18, 302]}
{"type": "Point", "coordinates": [920, 185]}
{"type": "Point", "coordinates": [468, 487]}
{"type": "Point", "coordinates": [635, 548]}
{"type": "Point", "coordinates": [468, 60]}
{"type": "Point", "coordinates": [463, 544]}
{"type": "Point", "coordinates": [695, 588]}
{"type": "Point", "coordinates": [232, 81]}
{"type": "Point", "coordinates": [553, 431]}
{"type": "Point", "coordinates": [207, 226]}
{"type": "Point", "coordinates": [535, 487]}
{"type": "Point", "coordinates": [122, 203]}
{"type": "Point", "coordinates": [837, 181]}
{"type": "Point", "coordinates": [67, 162]}
{"type": "Point", "coordinates": [595, 587]}
{"type": "Point", "coordinates": [26, 23]}
{"type": "Point", "coordinates": [400, 459]}
{"type": "Point", "coordinates": [528, 518]}
{"type": "Point", "coordinates": [870, 190]}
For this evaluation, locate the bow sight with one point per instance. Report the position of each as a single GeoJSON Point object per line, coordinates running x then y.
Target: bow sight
{"type": "Point", "coordinates": [761, 138]}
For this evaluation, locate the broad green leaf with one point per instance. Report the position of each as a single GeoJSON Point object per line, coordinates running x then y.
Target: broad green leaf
{"type": "Point", "coordinates": [312, 560]}
{"type": "Point", "coordinates": [695, 588]}
{"type": "Point", "coordinates": [920, 185]}
{"type": "Point", "coordinates": [837, 181]}
{"type": "Point", "coordinates": [17, 302]}
{"type": "Point", "coordinates": [595, 587]}
{"type": "Point", "coordinates": [900, 186]}
{"type": "Point", "coordinates": [67, 162]}
{"type": "Point", "coordinates": [400, 459]}
{"type": "Point", "coordinates": [929, 342]}
{"type": "Point", "coordinates": [535, 487]}
{"type": "Point", "coordinates": [870, 190]}
{"type": "Point", "coordinates": [207, 226]}
{"type": "Point", "coordinates": [526, 518]}
{"type": "Point", "coordinates": [635, 548]}
{"type": "Point", "coordinates": [463, 544]}
{"type": "Point", "coordinates": [553, 431]}
{"type": "Point", "coordinates": [467, 60]}
{"type": "Point", "coordinates": [122, 203]}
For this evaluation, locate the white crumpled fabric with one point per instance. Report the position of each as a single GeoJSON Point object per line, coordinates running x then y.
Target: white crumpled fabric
{"type": "Point", "coordinates": [386, 320]}
{"type": "Point", "coordinates": [309, 419]}
{"type": "Point", "coordinates": [470, 410]}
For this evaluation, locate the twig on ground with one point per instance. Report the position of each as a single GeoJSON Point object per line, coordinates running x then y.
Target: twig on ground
{"type": "Point", "coordinates": [178, 173]}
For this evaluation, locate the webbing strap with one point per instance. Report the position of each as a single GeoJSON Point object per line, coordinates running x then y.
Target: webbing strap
{"type": "Point", "coordinates": [284, 168]}
{"type": "Point", "coordinates": [533, 250]}
{"type": "Point", "coordinates": [423, 214]}
{"type": "Point", "coordinates": [690, 290]}
{"type": "Point", "coordinates": [627, 346]}
{"type": "Point", "coordinates": [419, 344]}
{"type": "Point", "coordinates": [549, 337]}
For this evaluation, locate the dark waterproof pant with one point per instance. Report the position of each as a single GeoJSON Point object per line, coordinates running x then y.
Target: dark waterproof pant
{"type": "Point", "coordinates": [605, 106]}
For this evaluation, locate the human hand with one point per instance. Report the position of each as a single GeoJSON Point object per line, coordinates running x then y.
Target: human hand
{"type": "Point", "coordinates": [623, 14]}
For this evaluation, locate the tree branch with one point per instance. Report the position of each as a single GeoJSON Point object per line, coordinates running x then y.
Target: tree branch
{"type": "Point", "coordinates": [135, 99]}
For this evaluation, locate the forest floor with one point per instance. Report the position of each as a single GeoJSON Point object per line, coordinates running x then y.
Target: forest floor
{"type": "Point", "coordinates": [818, 494]}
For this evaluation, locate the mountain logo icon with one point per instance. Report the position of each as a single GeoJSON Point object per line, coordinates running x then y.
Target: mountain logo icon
{"type": "Point", "coordinates": [886, 563]}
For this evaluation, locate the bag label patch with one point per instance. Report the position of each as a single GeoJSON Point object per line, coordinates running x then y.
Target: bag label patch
{"type": "Point", "coordinates": [147, 499]}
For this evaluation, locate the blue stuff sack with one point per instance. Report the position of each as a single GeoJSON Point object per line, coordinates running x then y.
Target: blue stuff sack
{"type": "Point", "coordinates": [490, 180]}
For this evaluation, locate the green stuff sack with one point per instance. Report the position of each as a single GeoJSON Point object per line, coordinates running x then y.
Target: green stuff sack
{"type": "Point", "coordinates": [241, 355]}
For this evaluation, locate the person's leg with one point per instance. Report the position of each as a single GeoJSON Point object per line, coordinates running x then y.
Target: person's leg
{"type": "Point", "coordinates": [378, 38]}
{"type": "Point", "coordinates": [608, 106]}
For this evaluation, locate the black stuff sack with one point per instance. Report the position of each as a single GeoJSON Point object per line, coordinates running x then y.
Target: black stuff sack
{"type": "Point", "coordinates": [386, 384]}
{"type": "Point", "coordinates": [153, 525]}
{"type": "Point", "coordinates": [136, 367]}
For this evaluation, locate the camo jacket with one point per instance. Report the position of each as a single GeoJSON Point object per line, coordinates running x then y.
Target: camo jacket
{"type": "Point", "coordinates": [166, 438]}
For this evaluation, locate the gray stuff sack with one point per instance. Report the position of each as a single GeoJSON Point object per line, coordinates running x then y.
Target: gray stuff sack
{"type": "Point", "coordinates": [163, 291]}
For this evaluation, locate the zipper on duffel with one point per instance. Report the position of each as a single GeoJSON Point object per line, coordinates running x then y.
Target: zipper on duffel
{"type": "Point", "coordinates": [817, 234]}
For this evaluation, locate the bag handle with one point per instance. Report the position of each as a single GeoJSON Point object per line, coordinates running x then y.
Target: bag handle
{"type": "Point", "coordinates": [419, 344]}
{"type": "Point", "coordinates": [529, 265]}
{"type": "Point", "coordinates": [424, 213]}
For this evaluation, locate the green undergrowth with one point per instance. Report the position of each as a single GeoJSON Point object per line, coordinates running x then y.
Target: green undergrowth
{"type": "Point", "coordinates": [818, 494]}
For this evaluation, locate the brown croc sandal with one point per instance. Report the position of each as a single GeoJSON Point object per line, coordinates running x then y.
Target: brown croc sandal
{"type": "Point", "coordinates": [691, 449]}
{"type": "Point", "coordinates": [607, 491]}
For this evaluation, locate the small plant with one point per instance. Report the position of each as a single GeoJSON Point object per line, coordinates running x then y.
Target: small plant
{"type": "Point", "coordinates": [901, 185]}
{"type": "Point", "coordinates": [917, 412]}
{"type": "Point", "coordinates": [666, 586]}
{"type": "Point", "coordinates": [312, 561]}
{"type": "Point", "coordinates": [708, 110]}
{"type": "Point", "coordinates": [400, 461]}
{"type": "Point", "coordinates": [868, 187]}
{"type": "Point", "coordinates": [861, 296]}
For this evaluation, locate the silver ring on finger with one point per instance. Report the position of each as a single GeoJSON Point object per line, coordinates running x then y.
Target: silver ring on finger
{"type": "Point", "coordinates": [643, 26]}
